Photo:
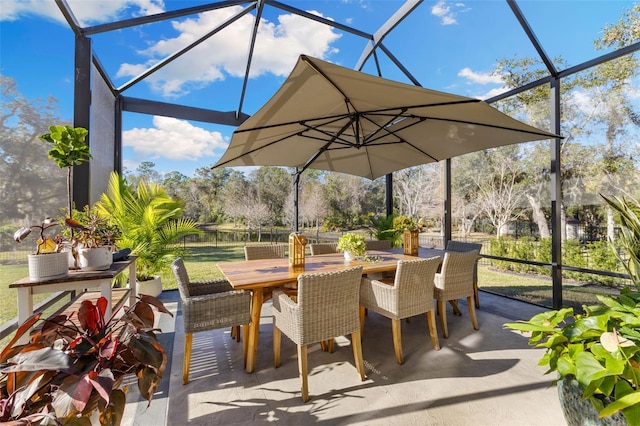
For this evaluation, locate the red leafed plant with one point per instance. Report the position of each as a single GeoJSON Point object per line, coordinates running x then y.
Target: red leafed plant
{"type": "Point", "coordinates": [73, 366]}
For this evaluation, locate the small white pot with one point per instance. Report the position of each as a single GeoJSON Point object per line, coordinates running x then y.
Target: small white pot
{"type": "Point", "coordinates": [150, 287]}
{"type": "Point", "coordinates": [95, 259]}
{"type": "Point", "coordinates": [348, 256]}
{"type": "Point", "coordinates": [48, 266]}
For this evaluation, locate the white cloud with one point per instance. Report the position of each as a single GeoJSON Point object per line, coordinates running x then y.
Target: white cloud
{"type": "Point", "coordinates": [277, 47]}
{"type": "Point", "coordinates": [448, 12]}
{"type": "Point", "coordinates": [86, 12]}
{"type": "Point", "coordinates": [173, 139]}
{"type": "Point", "coordinates": [478, 77]}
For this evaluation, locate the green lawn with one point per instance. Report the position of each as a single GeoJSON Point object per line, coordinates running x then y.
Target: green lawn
{"type": "Point", "coordinates": [536, 289]}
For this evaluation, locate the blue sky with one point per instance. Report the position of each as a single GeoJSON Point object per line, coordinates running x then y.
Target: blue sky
{"type": "Point", "coordinates": [451, 46]}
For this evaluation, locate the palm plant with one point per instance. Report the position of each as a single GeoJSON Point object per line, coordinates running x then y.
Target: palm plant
{"type": "Point", "coordinates": [629, 238]}
{"type": "Point", "coordinates": [150, 222]}
{"type": "Point", "coordinates": [382, 229]}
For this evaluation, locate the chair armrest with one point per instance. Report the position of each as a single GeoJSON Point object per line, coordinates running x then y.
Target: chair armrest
{"type": "Point", "coordinates": [283, 303]}
{"type": "Point", "coordinates": [198, 288]}
{"type": "Point", "coordinates": [377, 293]}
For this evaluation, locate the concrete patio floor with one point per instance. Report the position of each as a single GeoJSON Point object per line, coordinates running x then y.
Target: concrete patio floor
{"type": "Point", "coordinates": [484, 377]}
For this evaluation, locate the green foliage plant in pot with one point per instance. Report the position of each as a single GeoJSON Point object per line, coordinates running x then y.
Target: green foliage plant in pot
{"type": "Point", "coordinates": [150, 223]}
{"type": "Point", "coordinates": [381, 228]}
{"type": "Point", "coordinates": [48, 262]}
{"type": "Point", "coordinates": [353, 245]}
{"type": "Point", "coordinates": [72, 369]}
{"type": "Point", "coordinates": [68, 149]}
{"type": "Point", "coordinates": [600, 348]}
{"type": "Point", "coordinates": [93, 239]}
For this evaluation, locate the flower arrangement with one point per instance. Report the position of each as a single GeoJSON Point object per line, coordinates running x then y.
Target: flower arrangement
{"type": "Point", "coordinates": [353, 243]}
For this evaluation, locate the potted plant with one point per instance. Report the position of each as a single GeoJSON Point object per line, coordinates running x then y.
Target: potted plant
{"type": "Point", "coordinates": [150, 224]}
{"type": "Point", "coordinates": [73, 366]}
{"type": "Point", "coordinates": [48, 261]}
{"type": "Point", "coordinates": [409, 229]}
{"type": "Point", "coordinates": [381, 228]}
{"type": "Point", "coordinates": [353, 245]}
{"type": "Point", "coordinates": [597, 353]}
{"type": "Point", "coordinates": [93, 239]}
{"type": "Point", "coordinates": [69, 149]}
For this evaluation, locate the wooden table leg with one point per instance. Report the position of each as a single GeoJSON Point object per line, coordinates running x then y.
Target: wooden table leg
{"type": "Point", "coordinates": [254, 328]}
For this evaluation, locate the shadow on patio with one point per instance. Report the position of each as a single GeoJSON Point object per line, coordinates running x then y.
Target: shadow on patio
{"type": "Point", "coordinates": [485, 377]}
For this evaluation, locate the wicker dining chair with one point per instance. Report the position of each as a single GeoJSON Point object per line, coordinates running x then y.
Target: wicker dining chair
{"type": "Point", "coordinates": [462, 246]}
{"type": "Point", "coordinates": [378, 244]}
{"type": "Point", "coordinates": [209, 305]}
{"type": "Point", "coordinates": [454, 282]}
{"type": "Point", "coordinates": [410, 293]}
{"type": "Point", "coordinates": [264, 251]}
{"type": "Point", "coordinates": [327, 307]}
{"type": "Point", "coordinates": [323, 248]}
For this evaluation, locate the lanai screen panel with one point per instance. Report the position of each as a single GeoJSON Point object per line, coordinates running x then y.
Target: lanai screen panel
{"type": "Point", "coordinates": [101, 135]}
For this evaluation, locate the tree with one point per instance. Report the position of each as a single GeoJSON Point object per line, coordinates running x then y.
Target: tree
{"type": "Point", "coordinates": [234, 194]}
{"type": "Point", "coordinates": [145, 172]}
{"type": "Point", "coordinates": [499, 186]}
{"type": "Point", "coordinates": [273, 185]}
{"type": "Point", "coordinates": [314, 206]}
{"type": "Point", "coordinates": [417, 190]}
{"type": "Point", "coordinates": [596, 98]}
{"type": "Point", "coordinates": [31, 186]}
{"type": "Point", "coordinates": [345, 194]}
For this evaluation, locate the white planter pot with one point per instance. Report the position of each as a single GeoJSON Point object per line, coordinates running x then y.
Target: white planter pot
{"type": "Point", "coordinates": [95, 259]}
{"type": "Point", "coordinates": [48, 266]}
{"type": "Point", "coordinates": [150, 287]}
{"type": "Point", "coordinates": [348, 256]}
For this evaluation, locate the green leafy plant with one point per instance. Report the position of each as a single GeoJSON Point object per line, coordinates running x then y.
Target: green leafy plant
{"type": "Point", "coordinates": [353, 243]}
{"type": "Point", "coordinates": [91, 229]}
{"type": "Point", "coordinates": [599, 349]}
{"type": "Point", "coordinates": [149, 221]}
{"type": "Point", "coordinates": [69, 149]}
{"type": "Point", "coordinates": [628, 211]}
{"type": "Point", "coordinates": [404, 223]}
{"type": "Point", "coordinates": [75, 365]}
{"type": "Point", "coordinates": [381, 228]}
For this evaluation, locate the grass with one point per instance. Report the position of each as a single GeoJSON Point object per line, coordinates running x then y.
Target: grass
{"type": "Point", "coordinates": [537, 289]}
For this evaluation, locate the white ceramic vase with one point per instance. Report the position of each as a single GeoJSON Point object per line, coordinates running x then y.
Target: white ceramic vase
{"type": "Point", "coordinates": [348, 256]}
{"type": "Point", "coordinates": [95, 259]}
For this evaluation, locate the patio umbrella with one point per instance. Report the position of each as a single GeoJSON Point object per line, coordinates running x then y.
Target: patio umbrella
{"type": "Point", "coordinates": [332, 118]}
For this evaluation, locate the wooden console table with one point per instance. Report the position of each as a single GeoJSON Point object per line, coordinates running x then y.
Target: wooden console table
{"type": "Point", "coordinates": [76, 280]}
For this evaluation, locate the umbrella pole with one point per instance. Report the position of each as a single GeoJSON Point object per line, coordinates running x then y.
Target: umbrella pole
{"type": "Point", "coordinates": [389, 193]}
{"type": "Point", "coordinates": [296, 182]}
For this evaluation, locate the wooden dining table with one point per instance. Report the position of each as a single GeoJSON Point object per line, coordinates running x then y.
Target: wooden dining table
{"type": "Point", "coordinates": [260, 276]}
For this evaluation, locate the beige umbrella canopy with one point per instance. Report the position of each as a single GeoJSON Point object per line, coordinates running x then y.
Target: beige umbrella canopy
{"type": "Point", "coordinates": [332, 118]}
